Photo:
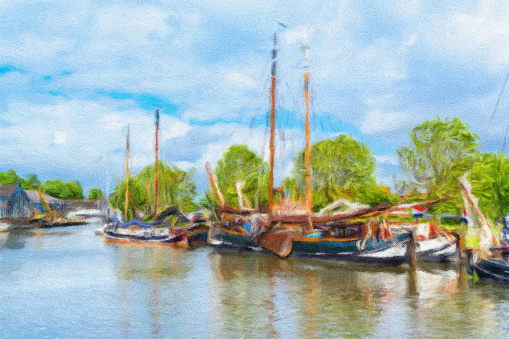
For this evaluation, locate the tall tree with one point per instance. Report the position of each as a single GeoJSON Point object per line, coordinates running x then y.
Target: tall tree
{"type": "Point", "coordinates": [490, 184]}
{"type": "Point", "coordinates": [340, 168]}
{"type": "Point", "coordinates": [241, 165]}
{"type": "Point", "coordinates": [439, 153]}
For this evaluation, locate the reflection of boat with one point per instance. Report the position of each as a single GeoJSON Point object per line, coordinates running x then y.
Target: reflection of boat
{"type": "Point", "coordinates": [161, 230]}
{"type": "Point", "coordinates": [306, 235]}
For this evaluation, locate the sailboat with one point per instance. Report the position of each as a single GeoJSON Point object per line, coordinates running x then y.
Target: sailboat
{"type": "Point", "coordinates": [339, 237]}
{"type": "Point", "coordinates": [156, 232]}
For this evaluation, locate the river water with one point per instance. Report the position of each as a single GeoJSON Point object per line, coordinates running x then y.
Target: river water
{"type": "Point", "coordinates": [68, 283]}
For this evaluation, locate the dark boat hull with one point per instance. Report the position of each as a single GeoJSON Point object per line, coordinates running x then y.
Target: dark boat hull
{"type": "Point", "coordinates": [179, 238]}
{"type": "Point", "coordinates": [492, 269]}
{"type": "Point", "coordinates": [379, 253]}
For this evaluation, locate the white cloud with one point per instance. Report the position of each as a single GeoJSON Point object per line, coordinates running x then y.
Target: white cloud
{"type": "Point", "coordinates": [377, 122]}
{"type": "Point", "coordinates": [240, 80]}
{"type": "Point", "coordinates": [482, 35]}
{"type": "Point", "coordinates": [386, 159]}
{"type": "Point", "coordinates": [134, 23]}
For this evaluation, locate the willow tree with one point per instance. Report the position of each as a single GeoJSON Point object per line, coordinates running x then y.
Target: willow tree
{"type": "Point", "coordinates": [340, 168]}
{"type": "Point", "coordinates": [241, 167]}
{"type": "Point", "coordinates": [439, 153]}
{"type": "Point", "coordinates": [136, 200]}
{"type": "Point", "coordinates": [176, 188]}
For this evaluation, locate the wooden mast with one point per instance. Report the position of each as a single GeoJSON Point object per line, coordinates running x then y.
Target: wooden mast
{"type": "Point", "coordinates": [309, 199]}
{"type": "Point", "coordinates": [127, 175]}
{"type": "Point", "coordinates": [272, 122]}
{"type": "Point", "coordinates": [156, 179]}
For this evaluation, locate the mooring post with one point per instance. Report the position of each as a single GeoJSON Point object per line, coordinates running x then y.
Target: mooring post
{"type": "Point", "coordinates": [412, 257]}
{"type": "Point", "coordinates": [462, 245]}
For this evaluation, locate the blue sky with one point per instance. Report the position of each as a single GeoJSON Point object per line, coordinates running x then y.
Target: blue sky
{"type": "Point", "coordinates": [74, 74]}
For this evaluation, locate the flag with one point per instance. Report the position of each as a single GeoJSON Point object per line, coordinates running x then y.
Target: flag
{"type": "Point", "coordinates": [417, 212]}
{"type": "Point", "coordinates": [157, 116]}
{"type": "Point", "coordinates": [465, 218]}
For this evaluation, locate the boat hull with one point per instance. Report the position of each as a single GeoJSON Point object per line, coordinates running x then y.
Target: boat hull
{"type": "Point", "coordinates": [370, 252]}
{"type": "Point", "coordinates": [437, 249]}
{"type": "Point", "coordinates": [178, 238]}
{"type": "Point", "coordinates": [373, 252]}
{"type": "Point", "coordinates": [492, 270]}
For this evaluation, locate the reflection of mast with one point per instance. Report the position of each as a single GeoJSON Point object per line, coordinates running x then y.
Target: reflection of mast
{"type": "Point", "coordinates": [156, 181]}
{"type": "Point", "coordinates": [127, 174]}
{"type": "Point", "coordinates": [309, 200]}
{"type": "Point", "coordinates": [272, 121]}
{"type": "Point", "coordinates": [310, 310]}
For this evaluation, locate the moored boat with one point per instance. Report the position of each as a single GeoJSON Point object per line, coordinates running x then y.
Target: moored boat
{"type": "Point", "coordinates": [432, 243]}
{"type": "Point", "coordinates": [160, 230]}
{"type": "Point", "coordinates": [304, 234]}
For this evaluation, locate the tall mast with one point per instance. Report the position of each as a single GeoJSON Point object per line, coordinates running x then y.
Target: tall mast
{"type": "Point", "coordinates": [156, 179]}
{"type": "Point", "coordinates": [127, 174]}
{"type": "Point", "coordinates": [272, 121]}
{"type": "Point", "coordinates": [309, 199]}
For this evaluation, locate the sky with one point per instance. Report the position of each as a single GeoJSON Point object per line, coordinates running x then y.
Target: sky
{"type": "Point", "coordinates": [74, 74]}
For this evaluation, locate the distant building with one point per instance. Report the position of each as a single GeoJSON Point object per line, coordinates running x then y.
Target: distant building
{"type": "Point", "coordinates": [36, 202]}
{"type": "Point", "coordinates": [14, 202]}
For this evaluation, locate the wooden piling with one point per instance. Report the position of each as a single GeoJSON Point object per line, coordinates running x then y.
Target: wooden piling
{"type": "Point", "coordinates": [411, 249]}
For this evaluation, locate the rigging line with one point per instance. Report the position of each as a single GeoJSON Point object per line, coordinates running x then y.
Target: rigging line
{"type": "Point", "coordinates": [505, 139]}
{"type": "Point", "coordinates": [498, 101]}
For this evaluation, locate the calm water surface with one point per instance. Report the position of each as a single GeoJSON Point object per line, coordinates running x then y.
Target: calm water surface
{"type": "Point", "coordinates": [67, 283]}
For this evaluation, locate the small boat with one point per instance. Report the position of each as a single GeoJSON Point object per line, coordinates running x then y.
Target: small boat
{"type": "Point", "coordinates": [159, 231]}
{"type": "Point", "coordinates": [494, 268]}
{"type": "Point", "coordinates": [432, 243]}
{"type": "Point", "coordinates": [136, 231]}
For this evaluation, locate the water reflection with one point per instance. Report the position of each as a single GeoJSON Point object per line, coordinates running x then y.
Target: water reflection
{"type": "Point", "coordinates": [57, 283]}
{"type": "Point", "coordinates": [145, 274]}
{"type": "Point", "coordinates": [271, 296]}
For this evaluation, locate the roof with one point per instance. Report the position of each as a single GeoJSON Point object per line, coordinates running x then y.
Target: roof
{"type": "Point", "coordinates": [7, 190]}
{"type": "Point", "coordinates": [34, 196]}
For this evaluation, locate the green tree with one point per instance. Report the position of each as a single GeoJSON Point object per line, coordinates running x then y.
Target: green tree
{"type": "Point", "coordinates": [10, 177]}
{"type": "Point", "coordinates": [68, 191]}
{"type": "Point", "coordinates": [241, 165]}
{"type": "Point", "coordinates": [439, 153]}
{"type": "Point", "coordinates": [490, 184]}
{"type": "Point", "coordinates": [30, 182]}
{"type": "Point", "coordinates": [135, 203]}
{"type": "Point", "coordinates": [340, 168]}
{"type": "Point", "coordinates": [95, 194]}
{"type": "Point", "coordinates": [175, 188]}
